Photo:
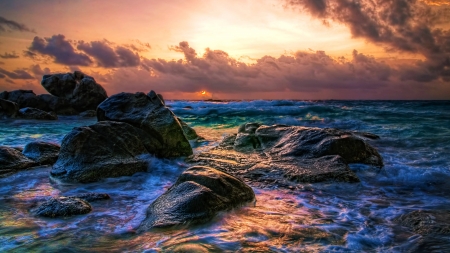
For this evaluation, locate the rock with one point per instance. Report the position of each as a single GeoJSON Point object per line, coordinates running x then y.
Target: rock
{"type": "Point", "coordinates": [82, 91]}
{"type": "Point", "coordinates": [156, 100]}
{"type": "Point", "coordinates": [189, 132]}
{"type": "Point", "coordinates": [58, 105]}
{"type": "Point", "coordinates": [25, 98]}
{"type": "Point", "coordinates": [12, 160]}
{"type": "Point", "coordinates": [33, 113]}
{"type": "Point", "coordinates": [424, 222]}
{"type": "Point", "coordinates": [150, 115]}
{"type": "Point", "coordinates": [88, 114]}
{"type": "Point", "coordinates": [92, 197]}
{"type": "Point", "coordinates": [42, 152]}
{"type": "Point", "coordinates": [105, 149]}
{"type": "Point", "coordinates": [63, 206]}
{"type": "Point", "coordinates": [197, 196]}
{"type": "Point", "coordinates": [311, 142]}
{"type": "Point", "coordinates": [8, 109]}
{"type": "Point", "coordinates": [285, 156]}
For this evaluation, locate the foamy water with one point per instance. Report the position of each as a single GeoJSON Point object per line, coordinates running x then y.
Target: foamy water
{"type": "Point", "coordinates": [326, 217]}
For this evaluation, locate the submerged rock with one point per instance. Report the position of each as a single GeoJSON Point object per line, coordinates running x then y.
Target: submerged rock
{"type": "Point", "coordinates": [92, 197]}
{"type": "Point", "coordinates": [82, 91]}
{"type": "Point", "coordinates": [8, 109]}
{"type": "Point", "coordinates": [42, 152]}
{"type": "Point", "coordinates": [12, 160]}
{"type": "Point", "coordinates": [63, 206]}
{"type": "Point", "coordinates": [284, 156]}
{"type": "Point", "coordinates": [197, 196]}
{"type": "Point", "coordinates": [88, 114]}
{"type": "Point", "coordinates": [33, 113]}
{"type": "Point", "coordinates": [148, 113]}
{"type": "Point", "coordinates": [105, 149]}
{"type": "Point", "coordinates": [429, 222]}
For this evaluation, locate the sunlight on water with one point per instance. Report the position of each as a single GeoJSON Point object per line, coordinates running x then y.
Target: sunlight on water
{"type": "Point", "coordinates": [326, 217]}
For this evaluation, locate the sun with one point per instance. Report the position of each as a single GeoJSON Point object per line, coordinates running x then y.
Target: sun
{"type": "Point", "coordinates": [203, 92]}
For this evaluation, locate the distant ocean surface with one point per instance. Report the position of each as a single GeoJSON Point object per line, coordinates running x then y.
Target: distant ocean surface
{"type": "Point", "coordinates": [358, 217]}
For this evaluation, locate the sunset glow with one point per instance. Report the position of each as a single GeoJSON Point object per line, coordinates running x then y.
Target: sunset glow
{"type": "Point", "coordinates": [236, 49]}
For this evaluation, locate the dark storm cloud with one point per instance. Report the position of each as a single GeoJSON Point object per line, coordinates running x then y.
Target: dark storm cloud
{"type": "Point", "coordinates": [399, 25]}
{"type": "Point", "coordinates": [16, 74]}
{"type": "Point", "coordinates": [107, 56]}
{"type": "Point", "coordinates": [10, 25]}
{"type": "Point", "coordinates": [7, 55]}
{"type": "Point", "coordinates": [58, 48]}
{"type": "Point", "coordinates": [38, 71]}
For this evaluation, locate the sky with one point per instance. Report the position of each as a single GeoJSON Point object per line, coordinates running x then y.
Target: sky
{"type": "Point", "coordinates": [233, 49]}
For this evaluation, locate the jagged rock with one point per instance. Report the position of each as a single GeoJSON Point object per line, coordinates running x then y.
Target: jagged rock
{"type": "Point", "coordinates": [58, 105]}
{"type": "Point", "coordinates": [25, 98]}
{"type": "Point", "coordinates": [189, 132]}
{"type": "Point", "coordinates": [63, 206]}
{"type": "Point", "coordinates": [150, 115]}
{"type": "Point", "coordinates": [199, 193]}
{"type": "Point", "coordinates": [8, 109]}
{"type": "Point", "coordinates": [82, 91]}
{"type": "Point", "coordinates": [33, 113]}
{"type": "Point", "coordinates": [284, 156]}
{"type": "Point", "coordinates": [424, 222]}
{"type": "Point", "coordinates": [42, 152]}
{"type": "Point", "coordinates": [12, 160]}
{"type": "Point", "coordinates": [105, 149]}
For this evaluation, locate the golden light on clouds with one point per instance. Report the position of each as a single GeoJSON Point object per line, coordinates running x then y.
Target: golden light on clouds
{"type": "Point", "coordinates": [437, 2]}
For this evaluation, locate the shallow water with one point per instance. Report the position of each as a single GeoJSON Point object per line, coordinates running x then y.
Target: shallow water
{"type": "Point", "coordinates": [326, 217]}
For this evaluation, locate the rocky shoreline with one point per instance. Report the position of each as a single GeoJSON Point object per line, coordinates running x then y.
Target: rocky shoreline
{"type": "Point", "coordinates": [132, 127]}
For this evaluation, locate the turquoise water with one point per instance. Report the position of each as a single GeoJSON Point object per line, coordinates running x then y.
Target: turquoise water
{"type": "Point", "coordinates": [337, 217]}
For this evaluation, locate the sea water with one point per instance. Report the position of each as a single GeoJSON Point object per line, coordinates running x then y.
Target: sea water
{"type": "Point", "coordinates": [322, 217]}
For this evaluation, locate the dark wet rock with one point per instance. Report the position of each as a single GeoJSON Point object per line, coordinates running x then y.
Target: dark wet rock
{"type": "Point", "coordinates": [92, 197]}
{"type": "Point", "coordinates": [197, 196]}
{"type": "Point", "coordinates": [33, 113]}
{"type": "Point", "coordinates": [12, 160]}
{"type": "Point", "coordinates": [82, 91]}
{"type": "Point", "coordinates": [58, 105]}
{"type": "Point", "coordinates": [431, 222]}
{"type": "Point", "coordinates": [8, 109]}
{"type": "Point", "coordinates": [105, 149]}
{"type": "Point", "coordinates": [149, 114]}
{"type": "Point", "coordinates": [309, 142]}
{"type": "Point", "coordinates": [88, 114]}
{"type": "Point", "coordinates": [189, 132]}
{"type": "Point", "coordinates": [25, 98]}
{"type": "Point", "coordinates": [284, 156]}
{"type": "Point", "coordinates": [63, 206]}
{"type": "Point", "coordinates": [156, 98]}
{"type": "Point", "coordinates": [42, 153]}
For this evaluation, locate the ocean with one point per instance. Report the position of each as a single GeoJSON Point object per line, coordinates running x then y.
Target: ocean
{"type": "Point", "coordinates": [322, 217]}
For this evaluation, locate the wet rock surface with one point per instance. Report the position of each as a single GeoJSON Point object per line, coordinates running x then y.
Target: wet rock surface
{"type": "Point", "coordinates": [105, 149]}
{"type": "Point", "coordinates": [424, 222]}
{"type": "Point", "coordinates": [148, 113]}
{"type": "Point", "coordinates": [197, 196]}
{"type": "Point", "coordinates": [284, 156]}
{"type": "Point", "coordinates": [8, 109]}
{"type": "Point", "coordinates": [42, 153]}
{"type": "Point", "coordinates": [33, 113]}
{"type": "Point", "coordinates": [63, 207]}
{"type": "Point", "coordinates": [12, 160]}
{"type": "Point", "coordinates": [92, 197]}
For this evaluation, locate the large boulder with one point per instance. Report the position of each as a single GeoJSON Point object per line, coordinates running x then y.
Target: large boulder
{"type": "Point", "coordinates": [82, 91]}
{"type": "Point", "coordinates": [197, 196]}
{"type": "Point", "coordinates": [307, 142]}
{"type": "Point", "coordinates": [42, 152]}
{"type": "Point", "coordinates": [25, 98]}
{"type": "Point", "coordinates": [63, 206]}
{"type": "Point", "coordinates": [8, 109]}
{"type": "Point", "coordinates": [189, 132]}
{"type": "Point", "coordinates": [12, 160]}
{"type": "Point", "coordinates": [148, 113]}
{"type": "Point", "coordinates": [58, 105]}
{"type": "Point", "coordinates": [285, 156]}
{"type": "Point", "coordinates": [33, 113]}
{"type": "Point", "coordinates": [105, 149]}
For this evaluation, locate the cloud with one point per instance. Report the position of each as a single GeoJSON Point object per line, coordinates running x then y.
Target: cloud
{"type": "Point", "coordinates": [10, 25]}
{"type": "Point", "coordinates": [7, 55]}
{"type": "Point", "coordinates": [38, 71]}
{"type": "Point", "coordinates": [107, 56]}
{"type": "Point", "coordinates": [59, 49]}
{"type": "Point", "coordinates": [399, 25]}
{"type": "Point", "coordinates": [16, 74]}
